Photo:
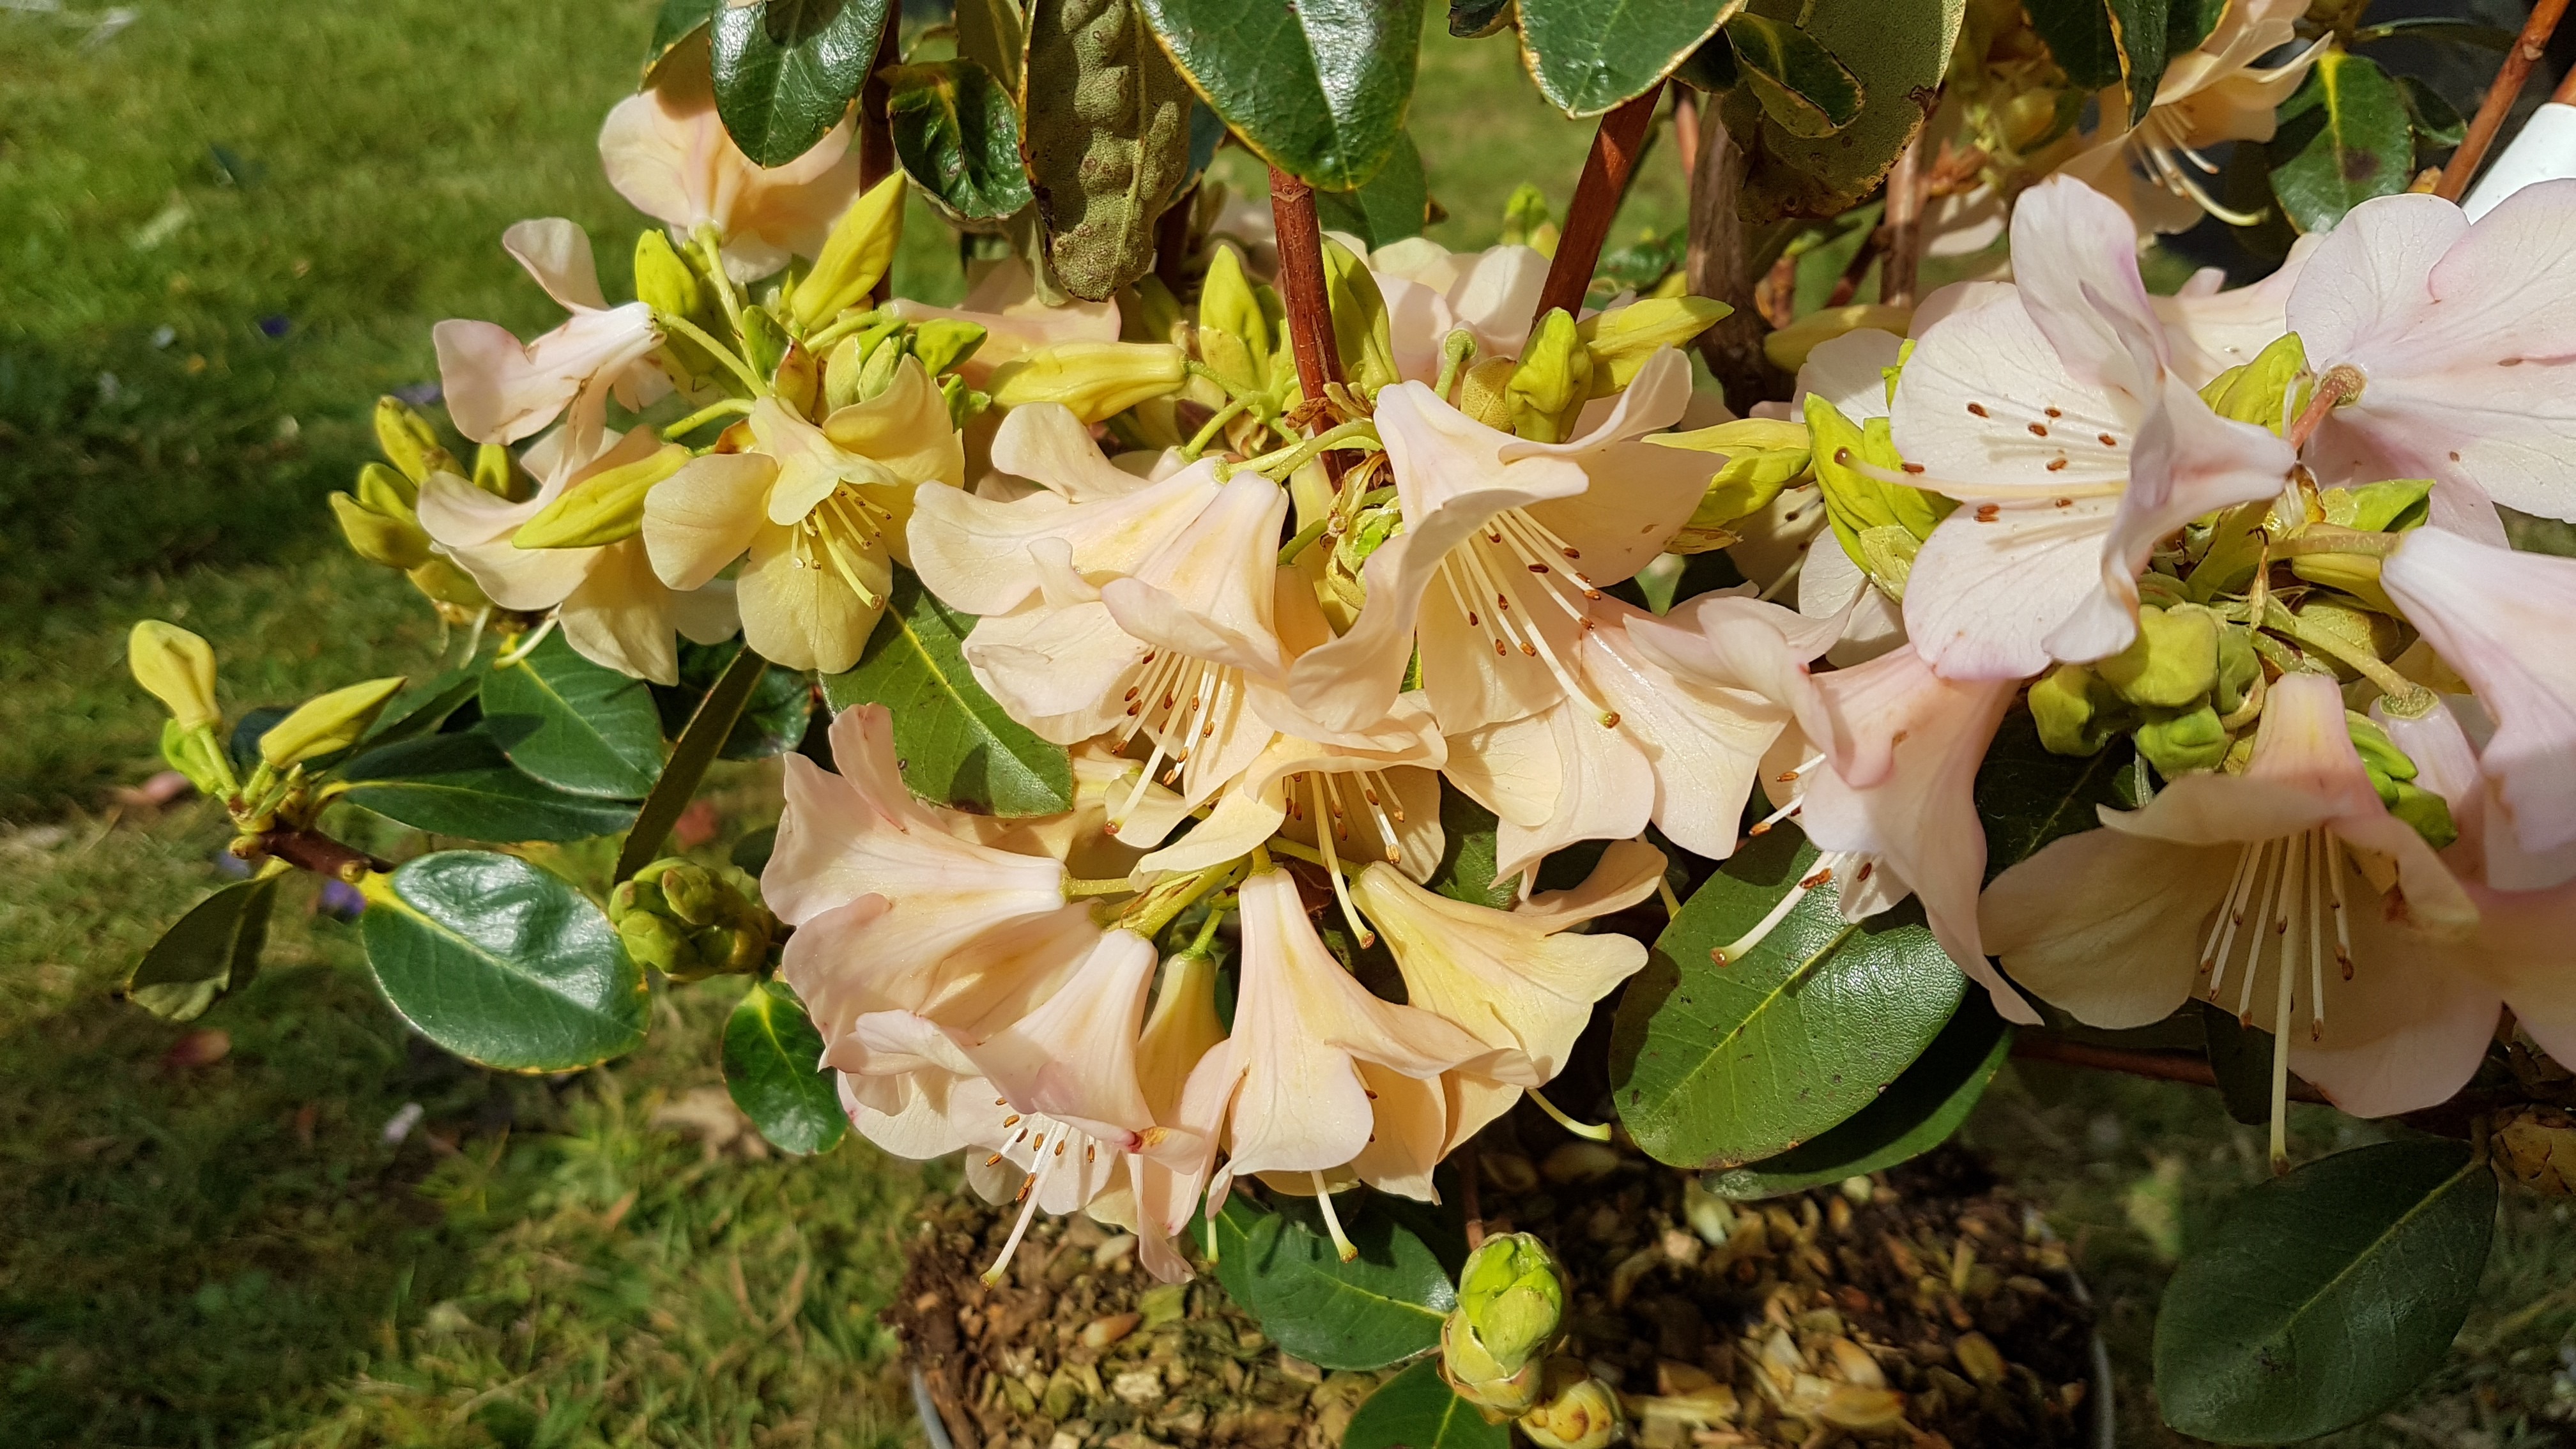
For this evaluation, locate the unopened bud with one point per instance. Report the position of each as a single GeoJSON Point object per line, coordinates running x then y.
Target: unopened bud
{"type": "Point", "coordinates": [1550, 384]}
{"type": "Point", "coordinates": [496, 472]}
{"type": "Point", "coordinates": [1887, 552]}
{"type": "Point", "coordinates": [1481, 393]}
{"type": "Point", "coordinates": [2266, 392]}
{"type": "Point", "coordinates": [2172, 664]}
{"type": "Point", "coordinates": [1510, 1303]}
{"type": "Point", "coordinates": [1620, 340]}
{"type": "Point", "coordinates": [656, 942]}
{"type": "Point", "coordinates": [195, 754]}
{"type": "Point", "coordinates": [1524, 214]}
{"type": "Point", "coordinates": [2238, 668]}
{"type": "Point", "coordinates": [798, 380]}
{"type": "Point", "coordinates": [764, 342]}
{"type": "Point", "coordinates": [1855, 501]}
{"type": "Point", "coordinates": [1234, 331]}
{"type": "Point", "coordinates": [965, 404]}
{"type": "Point", "coordinates": [2182, 742]}
{"type": "Point", "coordinates": [855, 257]}
{"type": "Point", "coordinates": [385, 491]}
{"type": "Point", "coordinates": [1361, 333]}
{"type": "Point", "coordinates": [1577, 1411]}
{"type": "Point", "coordinates": [2385, 507]}
{"type": "Point", "coordinates": [1762, 458]}
{"type": "Point", "coordinates": [663, 280]}
{"type": "Point", "coordinates": [176, 668]}
{"type": "Point", "coordinates": [604, 507]}
{"type": "Point", "coordinates": [690, 922]}
{"type": "Point", "coordinates": [1097, 380]}
{"type": "Point", "coordinates": [944, 342]}
{"type": "Point", "coordinates": [1787, 349]}
{"type": "Point", "coordinates": [1148, 312]}
{"type": "Point", "coordinates": [328, 723]}
{"type": "Point", "coordinates": [442, 582]}
{"type": "Point", "coordinates": [409, 442]}
{"type": "Point", "coordinates": [2076, 712]}
{"type": "Point", "coordinates": [847, 374]}
{"type": "Point", "coordinates": [396, 542]}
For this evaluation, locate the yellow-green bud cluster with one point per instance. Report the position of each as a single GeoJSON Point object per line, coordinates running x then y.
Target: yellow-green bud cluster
{"type": "Point", "coordinates": [380, 517]}
{"type": "Point", "coordinates": [1881, 525]}
{"type": "Point", "coordinates": [1762, 457]}
{"type": "Point", "coordinates": [2173, 690]}
{"type": "Point", "coordinates": [1511, 1303]}
{"type": "Point", "coordinates": [2392, 774]}
{"type": "Point", "coordinates": [690, 922]}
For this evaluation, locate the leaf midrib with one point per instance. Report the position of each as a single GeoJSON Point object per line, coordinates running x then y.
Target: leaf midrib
{"type": "Point", "coordinates": [2372, 1249]}
{"type": "Point", "coordinates": [476, 950]}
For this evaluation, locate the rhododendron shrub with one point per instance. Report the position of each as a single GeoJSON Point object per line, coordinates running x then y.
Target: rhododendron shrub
{"type": "Point", "coordinates": [1257, 690]}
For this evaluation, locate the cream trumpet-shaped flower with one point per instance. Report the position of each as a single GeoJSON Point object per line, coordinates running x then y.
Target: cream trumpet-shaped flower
{"type": "Point", "coordinates": [2498, 618]}
{"type": "Point", "coordinates": [1431, 291]}
{"type": "Point", "coordinates": [606, 598]}
{"type": "Point", "coordinates": [1505, 542]}
{"type": "Point", "coordinates": [1352, 803]}
{"type": "Point", "coordinates": [1004, 302]}
{"type": "Point", "coordinates": [666, 152]}
{"type": "Point", "coordinates": [2288, 893]}
{"type": "Point", "coordinates": [2456, 335]}
{"type": "Point", "coordinates": [1701, 696]}
{"type": "Point", "coordinates": [1164, 1189]}
{"type": "Point", "coordinates": [820, 511]}
{"type": "Point", "coordinates": [500, 391]}
{"type": "Point", "coordinates": [1889, 798]}
{"type": "Point", "coordinates": [2053, 415]}
{"type": "Point", "coordinates": [895, 910]}
{"type": "Point", "coordinates": [1291, 1088]}
{"type": "Point", "coordinates": [2212, 93]}
{"type": "Point", "coordinates": [1520, 980]}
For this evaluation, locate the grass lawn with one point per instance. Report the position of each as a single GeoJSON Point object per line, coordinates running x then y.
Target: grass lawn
{"type": "Point", "coordinates": [232, 226]}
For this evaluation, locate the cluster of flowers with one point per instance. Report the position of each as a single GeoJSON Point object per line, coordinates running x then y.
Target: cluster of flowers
{"type": "Point", "coordinates": [2255, 531]}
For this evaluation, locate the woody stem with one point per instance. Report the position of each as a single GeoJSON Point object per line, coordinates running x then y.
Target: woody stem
{"type": "Point", "coordinates": [1301, 291]}
{"type": "Point", "coordinates": [312, 850]}
{"type": "Point", "coordinates": [1596, 201]}
{"type": "Point", "coordinates": [2527, 49]}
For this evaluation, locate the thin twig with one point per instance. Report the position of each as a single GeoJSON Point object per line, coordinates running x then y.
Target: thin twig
{"type": "Point", "coordinates": [1302, 292]}
{"type": "Point", "coordinates": [2462, 168]}
{"type": "Point", "coordinates": [1847, 285]}
{"type": "Point", "coordinates": [1596, 201]}
{"type": "Point", "coordinates": [1469, 1201]}
{"type": "Point", "coordinates": [2161, 1066]}
{"type": "Point", "coordinates": [1906, 184]}
{"type": "Point", "coordinates": [312, 850]}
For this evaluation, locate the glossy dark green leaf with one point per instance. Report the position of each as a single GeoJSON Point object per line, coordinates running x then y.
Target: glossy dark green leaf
{"type": "Point", "coordinates": [675, 22]}
{"type": "Point", "coordinates": [709, 728]}
{"type": "Point", "coordinates": [2345, 137]}
{"type": "Point", "coordinates": [1714, 1064]}
{"type": "Point", "coordinates": [771, 1069]}
{"type": "Point", "coordinates": [2028, 797]}
{"type": "Point", "coordinates": [2078, 34]}
{"type": "Point", "coordinates": [212, 951]}
{"type": "Point", "coordinates": [462, 785]}
{"type": "Point", "coordinates": [2326, 1294]}
{"type": "Point", "coordinates": [1799, 82]}
{"type": "Point", "coordinates": [1392, 206]}
{"type": "Point", "coordinates": [1317, 88]}
{"type": "Point", "coordinates": [1897, 50]}
{"type": "Point", "coordinates": [958, 137]}
{"type": "Point", "coordinates": [1914, 1114]}
{"type": "Point", "coordinates": [781, 706]}
{"type": "Point", "coordinates": [1589, 55]}
{"type": "Point", "coordinates": [2189, 22]}
{"type": "Point", "coordinates": [2445, 28]}
{"type": "Point", "coordinates": [421, 708]}
{"type": "Point", "coordinates": [1417, 1410]}
{"type": "Point", "coordinates": [1105, 132]}
{"type": "Point", "coordinates": [1382, 1307]}
{"type": "Point", "coordinates": [1467, 852]}
{"type": "Point", "coordinates": [2240, 1053]}
{"type": "Point", "coordinates": [786, 70]}
{"type": "Point", "coordinates": [2138, 29]}
{"type": "Point", "coordinates": [1474, 19]}
{"type": "Point", "coordinates": [2438, 125]}
{"type": "Point", "coordinates": [955, 744]}
{"type": "Point", "coordinates": [503, 964]}
{"type": "Point", "coordinates": [575, 724]}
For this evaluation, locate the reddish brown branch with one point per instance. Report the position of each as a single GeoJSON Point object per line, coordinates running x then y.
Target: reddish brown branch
{"type": "Point", "coordinates": [1302, 291]}
{"type": "Point", "coordinates": [1596, 201]}
{"type": "Point", "coordinates": [312, 850]}
{"type": "Point", "coordinates": [1906, 185]}
{"type": "Point", "coordinates": [2162, 1066]}
{"type": "Point", "coordinates": [2527, 48]}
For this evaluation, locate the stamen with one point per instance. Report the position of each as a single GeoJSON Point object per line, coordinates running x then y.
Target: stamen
{"type": "Point", "coordinates": [2294, 868]}
{"type": "Point", "coordinates": [1333, 869]}
{"type": "Point", "coordinates": [1020, 1229]}
{"type": "Point", "coordinates": [1600, 1133]}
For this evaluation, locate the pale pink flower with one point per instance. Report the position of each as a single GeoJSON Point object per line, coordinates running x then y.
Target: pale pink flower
{"type": "Point", "coordinates": [1004, 302]}
{"type": "Point", "coordinates": [1431, 291]}
{"type": "Point", "coordinates": [666, 151]}
{"type": "Point", "coordinates": [2457, 333]}
{"type": "Point", "coordinates": [2054, 416]}
{"type": "Point", "coordinates": [2499, 618]}
{"type": "Point", "coordinates": [606, 599]}
{"type": "Point", "coordinates": [500, 391]}
{"type": "Point", "coordinates": [2287, 893]}
{"type": "Point", "coordinates": [1504, 544]}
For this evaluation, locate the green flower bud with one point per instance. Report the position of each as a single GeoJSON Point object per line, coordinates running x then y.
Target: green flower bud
{"type": "Point", "coordinates": [2427, 814]}
{"type": "Point", "coordinates": [688, 890]}
{"type": "Point", "coordinates": [1553, 378]}
{"type": "Point", "coordinates": [855, 258]}
{"type": "Point", "coordinates": [2172, 664]}
{"type": "Point", "coordinates": [1577, 1411]}
{"type": "Point", "coordinates": [764, 342]}
{"type": "Point", "coordinates": [195, 754]}
{"type": "Point", "coordinates": [2238, 668]}
{"type": "Point", "coordinates": [1510, 1304]}
{"type": "Point", "coordinates": [965, 404]}
{"type": "Point", "coordinates": [729, 950]}
{"type": "Point", "coordinates": [2183, 741]}
{"type": "Point", "coordinates": [1234, 329]}
{"type": "Point", "coordinates": [663, 280]}
{"type": "Point", "coordinates": [654, 941]}
{"type": "Point", "coordinates": [394, 542]}
{"type": "Point", "coordinates": [1854, 501]}
{"type": "Point", "coordinates": [2266, 392]}
{"type": "Point", "coordinates": [1360, 329]}
{"type": "Point", "coordinates": [1473, 1375]}
{"type": "Point", "coordinates": [1525, 218]}
{"type": "Point", "coordinates": [497, 473]}
{"type": "Point", "coordinates": [2077, 713]}
{"type": "Point", "coordinates": [2358, 629]}
{"type": "Point", "coordinates": [798, 380]}
{"type": "Point", "coordinates": [944, 342]}
{"type": "Point", "coordinates": [1097, 380]}
{"type": "Point", "coordinates": [603, 508]}
{"type": "Point", "coordinates": [846, 372]}
{"type": "Point", "coordinates": [2386, 507]}
{"type": "Point", "coordinates": [388, 492]}
{"type": "Point", "coordinates": [327, 723]}
{"type": "Point", "coordinates": [176, 668]}
{"type": "Point", "coordinates": [1762, 458]}
{"type": "Point", "coordinates": [1620, 340]}
{"type": "Point", "coordinates": [1482, 392]}
{"type": "Point", "coordinates": [1787, 349]}
{"type": "Point", "coordinates": [409, 442]}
